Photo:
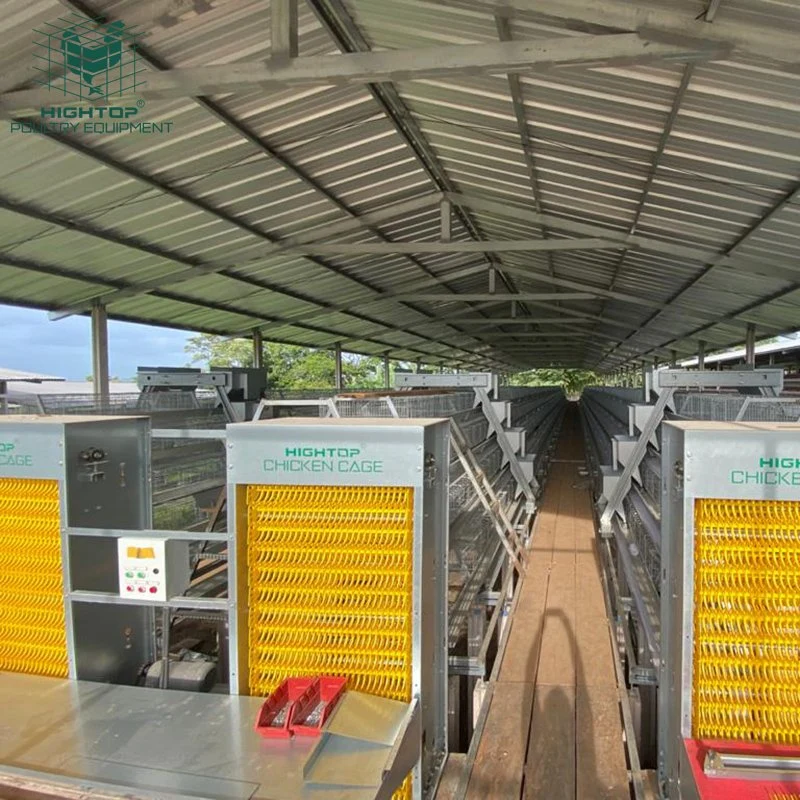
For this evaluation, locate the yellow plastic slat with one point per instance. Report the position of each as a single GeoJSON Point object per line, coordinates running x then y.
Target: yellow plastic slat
{"type": "Point", "coordinates": [746, 671]}
{"type": "Point", "coordinates": [33, 636]}
{"type": "Point", "coordinates": [330, 583]}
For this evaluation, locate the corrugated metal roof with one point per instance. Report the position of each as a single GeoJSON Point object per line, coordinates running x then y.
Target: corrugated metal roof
{"type": "Point", "coordinates": [7, 374]}
{"type": "Point", "coordinates": [698, 161]}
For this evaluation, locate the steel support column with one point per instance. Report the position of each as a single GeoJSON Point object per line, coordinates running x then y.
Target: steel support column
{"type": "Point", "coordinates": [750, 346]}
{"type": "Point", "coordinates": [338, 377]}
{"type": "Point", "coordinates": [701, 354]}
{"type": "Point", "coordinates": [258, 349]}
{"type": "Point", "coordinates": [100, 353]}
{"type": "Point", "coordinates": [386, 373]}
{"type": "Point", "coordinates": [446, 222]}
{"type": "Point", "coordinates": [283, 30]}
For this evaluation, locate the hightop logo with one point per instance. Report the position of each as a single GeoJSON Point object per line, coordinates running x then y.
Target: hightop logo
{"type": "Point", "coordinates": [89, 61]}
{"type": "Point", "coordinates": [769, 472]}
{"type": "Point", "coordinates": [10, 458]}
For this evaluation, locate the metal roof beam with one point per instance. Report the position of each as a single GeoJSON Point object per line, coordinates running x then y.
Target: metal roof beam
{"type": "Point", "coordinates": [323, 248]}
{"type": "Point", "coordinates": [669, 124]}
{"type": "Point", "coordinates": [509, 210]}
{"type": "Point", "coordinates": [477, 297]}
{"type": "Point", "coordinates": [791, 198]}
{"type": "Point", "coordinates": [480, 321]}
{"type": "Point", "coordinates": [557, 335]}
{"type": "Point", "coordinates": [580, 286]}
{"type": "Point", "coordinates": [59, 272]}
{"type": "Point", "coordinates": [345, 33]}
{"type": "Point", "coordinates": [365, 301]}
{"type": "Point", "coordinates": [518, 103]}
{"type": "Point", "coordinates": [83, 7]}
{"type": "Point", "coordinates": [388, 66]}
{"type": "Point", "coordinates": [133, 172]}
{"type": "Point", "coordinates": [283, 29]}
{"type": "Point", "coordinates": [196, 268]}
{"type": "Point", "coordinates": [670, 24]}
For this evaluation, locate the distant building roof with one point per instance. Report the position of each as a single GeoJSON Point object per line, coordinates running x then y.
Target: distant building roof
{"type": "Point", "coordinates": [21, 387]}
{"type": "Point", "coordinates": [781, 346]}
{"type": "Point", "coordinates": [18, 375]}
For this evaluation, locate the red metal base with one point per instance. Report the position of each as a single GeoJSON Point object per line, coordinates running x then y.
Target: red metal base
{"type": "Point", "coordinates": [709, 788]}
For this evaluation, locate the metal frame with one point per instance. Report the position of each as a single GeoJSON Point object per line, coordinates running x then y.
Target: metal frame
{"type": "Point", "coordinates": [483, 489]}
{"type": "Point", "coordinates": [401, 446]}
{"type": "Point", "coordinates": [328, 404]}
{"type": "Point", "coordinates": [769, 381]}
{"type": "Point", "coordinates": [719, 764]}
{"type": "Point", "coordinates": [407, 65]}
{"type": "Point", "coordinates": [422, 380]}
{"type": "Point", "coordinates": [691, 453]}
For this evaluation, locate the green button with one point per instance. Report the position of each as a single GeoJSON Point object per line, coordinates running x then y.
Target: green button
{"type": "Point", "coordinates": [140, 574]}
{"type": "Point", "coordinates": [128, 574]}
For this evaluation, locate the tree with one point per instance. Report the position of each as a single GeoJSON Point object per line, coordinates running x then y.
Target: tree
{"type": "Point", "coordinates": [288, 366]}
{"type": "Point", "coordinates": [571, 380]}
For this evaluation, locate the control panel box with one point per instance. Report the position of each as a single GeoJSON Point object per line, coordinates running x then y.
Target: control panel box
{"type": "Point", "coordinates": [152, 570]}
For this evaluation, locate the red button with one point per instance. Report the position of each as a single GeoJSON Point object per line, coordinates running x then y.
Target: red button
{"type": "Point", "coordinates": [129, 588]}
{"type": "Point", "coordinates": [141, 588]}
{"type": "Point", "coordinates": [153, 590]}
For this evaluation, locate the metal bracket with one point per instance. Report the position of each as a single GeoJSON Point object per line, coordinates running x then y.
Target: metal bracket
{"type": "Point", "coordinates": [405, 753]}
{"type": "Point", "coordinates": [225, 402]}
{"type": "Point", "coordinates": [466, 665]}
{"type": "Point", "coordinates": [623, 485]}
{"type": "Point", "coordinates": [769, 381]}
{"type": "Point", "coordinates": [508, 451]}
{"type": "Point", "coordinates": [466, 380]}
{"type": "Point", "coordinates": [643, 676]}
{"type": "Point", "coordinates": [327, 403]}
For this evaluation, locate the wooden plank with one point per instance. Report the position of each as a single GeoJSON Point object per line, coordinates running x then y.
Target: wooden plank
{"type": "Point", "coordinates": [521, 657]}
{"type": "Point", "coordinates": [600, 751]}
{"type": "Point", "coordinates": [451, 775]}
{"type": "Point", "coordinates": [557, 657]}
{"type": "Point", "coordinates": [499, 763]}
{"type": "Point", "coordinates": [587, 578]}
{"type": "Point", "coordinates": [550, 771]}
{"type": "Point", "coordinates": [594, 662]}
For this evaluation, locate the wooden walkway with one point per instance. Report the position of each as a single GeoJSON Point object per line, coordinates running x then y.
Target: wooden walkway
{"type": "Point", "coordinates": [554, 729]}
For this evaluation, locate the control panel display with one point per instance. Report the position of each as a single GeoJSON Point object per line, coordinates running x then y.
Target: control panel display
{"type": "Point", "coordinates": [152, 569]}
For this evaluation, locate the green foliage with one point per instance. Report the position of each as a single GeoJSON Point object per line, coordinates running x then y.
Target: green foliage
{"type": "Point", "coordinates": [175, 516]}
{"type": "Point", "coordinates": [288, 366]}
{"type": "Point", "coordinates": [571, 380]}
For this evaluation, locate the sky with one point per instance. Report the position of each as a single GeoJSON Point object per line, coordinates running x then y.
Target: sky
{"type": "Point", "coordinates": [30, 341]}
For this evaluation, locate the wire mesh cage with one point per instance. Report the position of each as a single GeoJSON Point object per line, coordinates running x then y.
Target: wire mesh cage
{"type": "Point", "coordinates": [729, 407]}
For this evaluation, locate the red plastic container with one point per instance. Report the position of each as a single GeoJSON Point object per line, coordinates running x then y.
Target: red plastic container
{"type": "Point", "coordinates": [275, 715]}
{"type": "Point", "coordinates": [315, 706]}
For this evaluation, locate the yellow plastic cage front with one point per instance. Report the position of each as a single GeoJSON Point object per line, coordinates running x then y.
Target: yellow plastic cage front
{"type": "Point", "coordinates": [746, 669]}
{"type": "Point", "coordinates": [33, 637]}
{"type": "Point", "coordinates": [329, 584]}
